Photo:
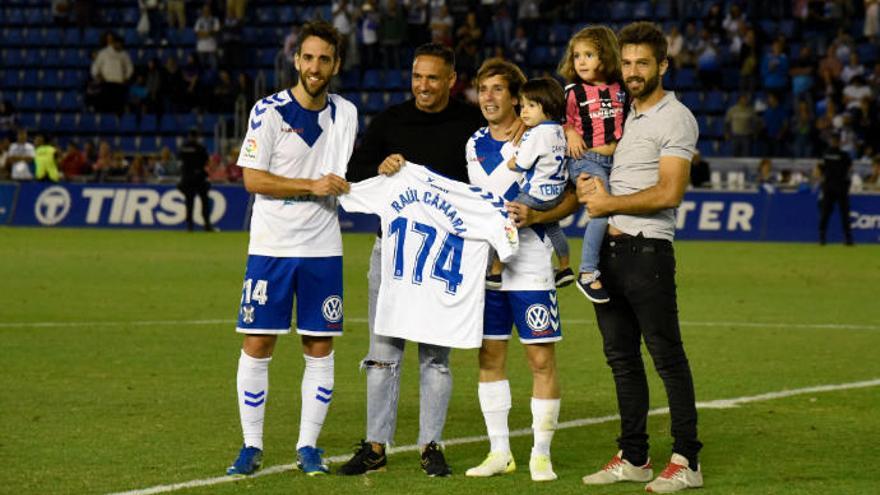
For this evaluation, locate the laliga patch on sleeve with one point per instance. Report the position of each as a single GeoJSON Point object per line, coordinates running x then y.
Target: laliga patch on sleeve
{"type": "Point", "coordinates": [250, 148]}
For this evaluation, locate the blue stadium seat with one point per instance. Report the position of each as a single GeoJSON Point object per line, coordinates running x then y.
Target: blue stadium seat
{"type": "Point", "coordinates": [50, 79]}
{"type": "Point", "coordinates": [397, 97]}
{"type": "Point", "coordinates": [730, 78]}
{"type": "Point", "coordinates": [150, 144]}
{"type": "Point", "coordinates": [169, 141]}
{"type": "Point", "coordinates": [107, 123]}
{"type": "Point", "coordinates": [26, 100]}
{"type": "Point", "coordinates": [14, 17]}
{"type": "Point", "coordinates": [868, 53]}
{"type": "Point", "coordinates": [685, 78]}
{"type": "Point", "coordinates": [10, 78]}
{"type": "Point", "coordinates": [13, 37]}
{"type": "Point", "coordinates": [128, 123]}
{"type": "Point", "coordinates": [350, 79]}
{"type": "Point", "coordinates": [539, 53]}
{"type": "Point", "coordinates": [663, 10]}
{"type": "Point", "coordinates": [394, 79]}
{"type": "Point", "coordinates": [286, 15]}
{"type": "Point", "coordinates": [88, 123]}
{"type": "Point", "coordinates": [372, 79]}
{"type": "Point", "coordinates": [642, 10]}
{"type": "Point", "coordinates": [706, 147]}
{"type": "Point", "coordinates": [71, 37]}
{"type": "Point", "coordinates": [67, 122]}
{"type": "Point", "coordinates": [690, 99]}
{"type": "Point", "coordinates": [53, 37]}
{"type": "Point", "coordinates": [29, 120]}
{"type": "Point", "coordinates": [619, 11]}
{"type": "Point", "coordinates": [29, 79]}
{"type": "Point", "coordinates": [92, 37]}
{"type": "Point", "coordinates": [148, 123]}
{"type": "Point", "coordinates": [185, 122]}
{"type": "Point", "coordinates": [209, 122]}
{"type": "Point", "coordinates": [375, 102]}
{"type": "Point", "coordinates": [70, 100]}
{"type": "Point", "coordinates": [714, 101]}
{"type": "Point", "coordinates": [129, 144]}
{"type": "Point", "coordinates": [32, 37]}
{"type": "Point", "coordinates": [559, 33]}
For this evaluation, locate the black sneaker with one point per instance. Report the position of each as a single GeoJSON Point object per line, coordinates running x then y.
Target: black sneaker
{"type": "Point", "coordinates": [364, 461]}
{"type": "Point", "coordinates": [433, 462]}
{"type": "Point", "coordinates": [493, 282]}
{"type": "Point", "coordinates": [564, 278]}
{"type": "Point", "coordinates": [598, 296]}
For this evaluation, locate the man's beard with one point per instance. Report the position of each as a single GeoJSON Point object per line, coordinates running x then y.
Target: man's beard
{"type": "Point", "coordinates": [648, 86]}
{"type": "Point", "coordinates": [317, 91]}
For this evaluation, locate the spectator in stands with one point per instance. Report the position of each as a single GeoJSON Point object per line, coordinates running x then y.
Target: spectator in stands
{"type": "Point", "coordinates": [369, 35]}
{"type": "Point", "coordinates": [749, 58]}
{"type": "Point", "coordinates": [519, 47]}
{"type": "Point", "coordinates": [775, 119]}
{"type": "Point", "coordinates": [61, 12]}
{"type": "Point", "coordinates": [166, 164]}
{"type": "Point", "coordinates": [153, 10]}
{"type": "Point", "coordinates": [82, 14]}
{"type": "Point", "coordinates": [502, 25]}
{"type": "Point", "coordinates": [190, 74]}
{"type": "Point", "coordinates": [441, 26]}
{"type": "Point", "coordinates": [118, 171]}
{"type": "Point", "coordinates": [802, 73]}
{"type": "Point", "coordinates": [688, 55]}
{"type": "Point", "coordinates": [774, 69]}
{"type": "Point", "coordinates": [74, 163]}
{"type": "Point", "coordinates": [708, 61]}
{"type": "Point", "coordinates": [7, 119]}
{"type": "Point", "coordinates": [469, 32]}
{"type": "Point", "coordinates": [872, 182]}
{"type": "Point", "coordinates": [153, 82]}
{"type": "Point", "coordinates": [224, 93]}
{"type": "Point", "coordinates": [104, 162]}
{"type": "Point", "coordinates": [173, 86]}
{"type": "Point", "coordinates": [734, 22]}
{"type": "Point", "coordinates": [676, 46]}
{"type": "Point", "coordinates": [137, 172]}
{"type": "Point", "coordinates": [233, 171]}
{"type": "Point", "coordinates": [194, 178]}
{"type": "Point", "coordinates": [416, 21]}
{"type": "Point", "coordinates": [217, 170]}
{"type": "Point", "coordinates": [20, 157]}
{"type": "Point", "coordinates": [45, 159]}
{"type": "Point", "coordinates": [345, 21]}
{"type": "Point", "coordinates": [830, 68]}
{"type": "Point", "coordinates": [91, 152]}
{"type": "Point", "coordinates": [529, 14]}
{"type": "Point", "coordinates": [112, 69]}
{"type": "Point", "coordinates": [207, 29]}
{"type": "Point", "coordinates": [392, 32]}
{"type": "Point", "coordinates": [232, 38]}
{"type": "Point", "coordinates": [857, 94]}
{"type": "Point", "coordinates": [176, 14]}
{"type": "Point", "coordinates": [713, 23]}
{"type": "Point", "coordinates": [766, 179]}
{"type": "Point", "coordinates": [802, 130]}
{"type": "Point", "coordinates": [138, 95]}
{"type": "Point", "coordinates": [872, 20]}
{"type": "Point", "coordinates": [829, 122]}
{"type": "Point", "coordinates": [700, 172]}
{"type": "Point", "coordinates": [238, 7]}
{"type": "Point", "coordinates": [4, 154]}
{"type": "Point", "coordinates": [852, 69]}
{"type": "Point", "coordinates": [740, 124]}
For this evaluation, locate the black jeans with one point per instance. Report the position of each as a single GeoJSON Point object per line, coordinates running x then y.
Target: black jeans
{"type": "Point", "coordinates": [829, 198]}
{"type": "Point", "coordinates": [190, 191]}
{"type": "Point", "coordinates": [639, 274]}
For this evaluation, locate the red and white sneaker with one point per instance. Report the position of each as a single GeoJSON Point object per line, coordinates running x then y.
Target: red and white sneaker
{"type": "Point", "coordinates": [677, 476]}
{"type": "Point", "coordinates": [619, 469]}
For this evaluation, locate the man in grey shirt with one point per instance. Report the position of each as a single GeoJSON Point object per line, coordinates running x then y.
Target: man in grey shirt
{"type": "Point", "coordinates": [647, 182]}
{"type": "Point", "coordinates": [650, 172]}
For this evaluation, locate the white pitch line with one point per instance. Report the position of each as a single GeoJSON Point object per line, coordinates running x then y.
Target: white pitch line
{"type": "Point", "coordinates": [576, 423]}
{"type": "Point", "coordinates": [574, 321]}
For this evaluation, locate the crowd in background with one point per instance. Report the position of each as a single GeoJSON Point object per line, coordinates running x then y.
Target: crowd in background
{"type": "Point", "coordinates": [794, 89]}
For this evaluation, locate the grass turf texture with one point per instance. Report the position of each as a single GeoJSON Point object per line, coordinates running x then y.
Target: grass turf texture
{"type": "Point", "coordinates": [122, 406]}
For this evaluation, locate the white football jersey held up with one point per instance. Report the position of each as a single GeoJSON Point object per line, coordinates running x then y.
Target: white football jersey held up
{"type": "Point", "coordinates": [541, 158]}
{"type": "Point", "coordinates": [435, 245]}
{"type": "Point", "coordinates": [285, 139]}
{"type": "Point", "coordinates": [532, 267]}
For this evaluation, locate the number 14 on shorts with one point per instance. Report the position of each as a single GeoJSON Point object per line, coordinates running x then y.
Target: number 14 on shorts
{"type": "Point", "coordinates": [256, 292]}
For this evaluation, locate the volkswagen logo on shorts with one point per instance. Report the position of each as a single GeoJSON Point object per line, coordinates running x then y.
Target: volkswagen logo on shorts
{"type": "Point", "coordinates": [52, 205]}
{"type": "Point", "coordinates": [538, 317]}
{"type": "Point", "coordinates": [332, 309]}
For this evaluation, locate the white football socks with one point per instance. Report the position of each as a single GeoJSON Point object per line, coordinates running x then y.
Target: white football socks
{"type": "Point", "coordinates": [545, 416]}
{"type": "Point", "coordinates": [317, 391]}
{"type": "Point", "coordinates": [253, 391]}
{"type": "Point", "coordinates": [495, 404]}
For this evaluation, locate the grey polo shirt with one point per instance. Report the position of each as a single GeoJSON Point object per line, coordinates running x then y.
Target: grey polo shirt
{"type": "Point", "coordinates": [666, 129]}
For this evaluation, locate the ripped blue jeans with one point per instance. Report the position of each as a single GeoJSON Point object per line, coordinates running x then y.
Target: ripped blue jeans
{"type": "Point", "coordinates": [383, 364]}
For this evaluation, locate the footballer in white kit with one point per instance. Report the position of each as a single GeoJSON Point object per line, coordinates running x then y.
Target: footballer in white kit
{"type": "Point", "coordinates": [434, 253]}
{"type": "Point", "coordinates": [294, 157]}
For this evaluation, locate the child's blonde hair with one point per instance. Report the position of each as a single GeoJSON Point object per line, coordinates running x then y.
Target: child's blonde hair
{"type": "Point", "coordinates": [604, 41]}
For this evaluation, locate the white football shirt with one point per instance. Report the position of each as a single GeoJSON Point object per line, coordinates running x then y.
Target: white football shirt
{"type": "Point", "coordinates": [532, 267]}
{"type": "Point", "coordinates": [435, 245]}
{"type": "Point", "coordinates": [541, 158]}
{"type": "Point", "coordinates": [285, 139]}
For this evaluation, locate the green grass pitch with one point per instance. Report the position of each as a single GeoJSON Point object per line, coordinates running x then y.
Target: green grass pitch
{"type": "Point", "coordinates": [119, 358]}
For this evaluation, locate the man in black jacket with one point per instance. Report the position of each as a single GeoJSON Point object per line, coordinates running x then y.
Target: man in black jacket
{"type": "Point", "coordinates": [194, 178]}
{"type": "Point", "coordinates": [835, 169]}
